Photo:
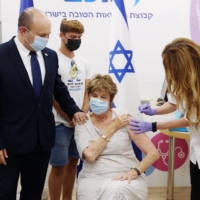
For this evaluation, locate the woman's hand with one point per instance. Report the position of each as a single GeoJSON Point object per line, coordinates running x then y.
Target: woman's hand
{"type": "Point", "coordinates": [120, 121]}
{"type": "Point", "coordinates": [131, 175]}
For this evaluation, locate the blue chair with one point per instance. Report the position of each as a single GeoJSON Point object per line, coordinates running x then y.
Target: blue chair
{"type": "Point", "coordinates": [79, 167]}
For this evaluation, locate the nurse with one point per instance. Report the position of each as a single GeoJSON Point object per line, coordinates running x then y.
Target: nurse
{"type": "Point", "coordinates": [181, 60]}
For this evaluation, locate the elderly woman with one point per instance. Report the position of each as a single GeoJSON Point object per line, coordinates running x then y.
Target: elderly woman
{"type": "Point", "coordinates": [110, 169]}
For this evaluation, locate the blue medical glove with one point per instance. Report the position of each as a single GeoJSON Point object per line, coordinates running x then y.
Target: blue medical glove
{"type": "Point", "coordinates": [140, 126]}
{"type": "Point", "coordinates": [146, 109]}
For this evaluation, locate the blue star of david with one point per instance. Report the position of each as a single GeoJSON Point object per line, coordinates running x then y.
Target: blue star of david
{"type": "Point", "coordinates": [120, 73]}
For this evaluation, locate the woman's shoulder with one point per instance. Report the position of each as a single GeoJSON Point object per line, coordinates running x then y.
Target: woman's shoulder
{"type": "Point", "coordinates": [119, 111]}
{"type": "Point", "coordinates": [87, 123]}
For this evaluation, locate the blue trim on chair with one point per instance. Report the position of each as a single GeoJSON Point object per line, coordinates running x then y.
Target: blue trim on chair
{"type": "Point", "coordinates": [137, 151]}
{"type": "Point", "coordinates": [79, 167]}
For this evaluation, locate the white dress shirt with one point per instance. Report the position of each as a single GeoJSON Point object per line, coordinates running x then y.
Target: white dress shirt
{"type": "Point", "coordinates": [194, 135]}
{"type": "Point", "coordinates": [26, 58]}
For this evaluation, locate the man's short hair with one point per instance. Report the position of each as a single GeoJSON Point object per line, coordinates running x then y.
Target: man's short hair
{"type": "Point", "coordinates": [74, 26]}
{"type": "Point", "coordinates": [25, 19]}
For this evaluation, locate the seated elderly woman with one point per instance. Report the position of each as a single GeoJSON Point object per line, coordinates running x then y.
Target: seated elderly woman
{"type": "Point", "coordinates": [110, 169]}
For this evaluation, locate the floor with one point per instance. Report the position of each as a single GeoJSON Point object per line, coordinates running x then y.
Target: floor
{"type": "Point", "coordinates": [158, 193]}
{"type": "Point", "coordinates": [180, 193]}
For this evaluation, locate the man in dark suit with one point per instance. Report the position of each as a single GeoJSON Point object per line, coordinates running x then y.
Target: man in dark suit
{"type": "Point", "coordinates": [28, 80]}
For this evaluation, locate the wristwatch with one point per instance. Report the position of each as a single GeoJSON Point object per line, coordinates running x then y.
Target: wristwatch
{"type": "Point", "coordinates": [105, 138]}
{"type": "Point", "coordinates": [136, 169]}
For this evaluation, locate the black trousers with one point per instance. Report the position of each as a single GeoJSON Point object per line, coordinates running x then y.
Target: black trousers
{"type": "Point", "coordinates": [32, 167]}
{"type": "Point", "coordinates": [195, 181]}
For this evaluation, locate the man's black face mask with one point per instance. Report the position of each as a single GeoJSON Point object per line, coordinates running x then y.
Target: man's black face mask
{"type": "Point", "coordinates": [73, 44]}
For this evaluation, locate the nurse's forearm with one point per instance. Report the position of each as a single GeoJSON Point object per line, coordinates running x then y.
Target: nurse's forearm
{"type": "Point", "coordinates": [166, 108]}
{"type": "Point", "coordinates": [178, 123]}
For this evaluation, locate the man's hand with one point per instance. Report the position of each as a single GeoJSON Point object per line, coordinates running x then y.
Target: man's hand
{"type": "Point", "coordinates": [72, 124]}
{"type": "Point", "coordinates": [3, 155]}
{"type": "Point", "coordinates": [80, 117]}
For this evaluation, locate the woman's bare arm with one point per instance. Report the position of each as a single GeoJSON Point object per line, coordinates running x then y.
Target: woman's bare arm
{"type": "Point", "coordinates": [148, 148]}
{"type": "Point", "coordinates": [95, 148]}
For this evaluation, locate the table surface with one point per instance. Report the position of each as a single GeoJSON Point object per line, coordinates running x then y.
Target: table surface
{"type": "Point", "coordinates": [176, 134]}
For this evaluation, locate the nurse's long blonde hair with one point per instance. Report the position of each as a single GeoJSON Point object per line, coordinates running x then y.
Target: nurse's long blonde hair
{"type": "Point", "coordinates": [181, 60]}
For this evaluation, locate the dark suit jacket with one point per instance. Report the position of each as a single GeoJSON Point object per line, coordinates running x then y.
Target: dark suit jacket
{"type": "Point", "coordinates": [23, 119]}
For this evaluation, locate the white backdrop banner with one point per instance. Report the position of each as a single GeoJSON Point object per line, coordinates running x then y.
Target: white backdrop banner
{"type": "Point", "coordinates": [152, 24]}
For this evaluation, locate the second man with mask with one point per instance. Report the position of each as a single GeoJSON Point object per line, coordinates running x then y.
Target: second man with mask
{"type": "Point", "coordinates": [75, 73]}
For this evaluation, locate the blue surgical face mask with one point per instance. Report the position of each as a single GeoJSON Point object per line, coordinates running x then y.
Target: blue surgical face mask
{"type": "Point", "coordinates": [97, 106]}
{"type": "Point", "coordinates": [39, 43]}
